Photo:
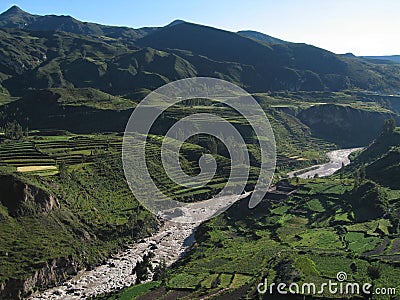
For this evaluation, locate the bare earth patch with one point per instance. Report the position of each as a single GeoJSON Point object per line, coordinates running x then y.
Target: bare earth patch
{"type": "Point", "coordinates": [35, 168]}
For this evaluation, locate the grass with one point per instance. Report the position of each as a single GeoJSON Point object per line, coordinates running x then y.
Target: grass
{"type": "Point", "coordinates": [371, 227]}
{"type": "Point", "coordinates": [242, 247]}
{"type": "Point", "coordinates": [239, 280]}
{"type": "Point", "coordinates": [359, 243]}
{"type": "Point", "coordinates": [137, 290]}
{"type": "Point", "coordinates": [209, 281]}
{"type": "Point", "coordinates": [185, 280]}
{"type": "Point", "coordinates": [318, 239]}
{"type": "Point", "coordinates": [315, 205]}
{"type": "Point", "coordinates": [225, 280]}
{"type": "Point", "coordinates": [92, 98]}
{"type": "Point", "coordinates": [306, 265]}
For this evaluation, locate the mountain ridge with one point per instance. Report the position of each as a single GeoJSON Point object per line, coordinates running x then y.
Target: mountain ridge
{"type": "Point", "coordinates": [15, 17]}
{"type": "Point", "coordinates": [60, 51]}
{"type": "Point", "coordinates": [261, 37]}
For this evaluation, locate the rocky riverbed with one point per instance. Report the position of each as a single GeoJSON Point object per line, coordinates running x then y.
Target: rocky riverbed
{"type": "Point", "coordinates": [168, 244]}
{"type": "Point", "coordinates": [336, 158]}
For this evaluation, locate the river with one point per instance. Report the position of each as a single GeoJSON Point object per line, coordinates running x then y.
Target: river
{"type": "Point", "coordinates": [336, 158]}
{"type": "Point", "coordinates": [169, 244]}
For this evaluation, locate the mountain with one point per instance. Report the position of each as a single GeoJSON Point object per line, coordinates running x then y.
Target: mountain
{"type": "Point", "coordinates": [39, 52]}
{"type": "Point", "coordinates": [67, 89]}
{"type": "Point", "coordinates": [344, 125]}
{"type": "Point", "coordinates": [175, 22]}
{"type": "Point", "coordinates": [17, 18]}
{"type": "Point", "coordinates": [393, 58]}
{"type": "Point", "coordinates": [262, 37]}
{"type": "Point", "coordinates": [381, 159]}
{"type": "Point", "coordinates": [281, 66]}
{"type": "Point", "coordinates": [39, 60]}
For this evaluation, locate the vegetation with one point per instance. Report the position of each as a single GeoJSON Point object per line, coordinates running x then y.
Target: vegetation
{"type": "Point", "coordinates": [13, 131]}
{"type": "Point", "coordinates": [297, 240]}
{"type": "Point", "coordinates": [67, 89]}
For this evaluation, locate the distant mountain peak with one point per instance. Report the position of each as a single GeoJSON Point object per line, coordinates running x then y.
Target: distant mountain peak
{"type": "Point", "coordinates": [176, 22]}
{"type": "Point", "coordinates": [348, 54]}
{"type": "Point", "coordinates": [13, 10]}
{"type": "Point", "coordinates": [15, 17]}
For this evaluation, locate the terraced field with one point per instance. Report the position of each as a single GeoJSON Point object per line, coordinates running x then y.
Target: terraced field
{"type": "Point", "coordinates": [44, 155]}
{"type": "Point", "coordinates": [301, 239]}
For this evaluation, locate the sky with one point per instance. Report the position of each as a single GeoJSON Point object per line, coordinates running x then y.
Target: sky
{"type": "Point", "coordinates": [362, 27]}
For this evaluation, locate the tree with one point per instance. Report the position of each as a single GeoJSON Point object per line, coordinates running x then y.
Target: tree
{"type": "Point", "coordinates": [132, 222]}
{"type": "Point", "coordinates": [285, 272]}
{"type": "Point", "coordinates": [13, 130]}
{"type": "Point", "coordinates": [374, 271]}
{"type": "Point", "coordinates": [63, 171]}
{"type": "Point", "coordinates": [369, 201]}
{"type": "Point", "coordinates": [389, 126]}
{"type": "Point", "coordinates": [356, 177]}
{"type": "Point", "coordinates": [362, 174]}
{"type": "Point", "coordinates": [353, 267]}
{"type": "Point", "coordinates": [160, 272]}
{"type": "Point", "coordinates": [142, 268]}
{"type": "Point", "coordinates": [341, 172]}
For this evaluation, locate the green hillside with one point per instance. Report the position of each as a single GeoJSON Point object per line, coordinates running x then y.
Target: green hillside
{"type": "Point", "coordinates": [282, 66]}
{"type": "Point", "coordinates": [67, 90]}
{"type": "Point", "coordinates": [59, 51]}
{"type": "Point", "coordinates": [17, 18]}
{"type": "Point", "coordinates": [381, 159]}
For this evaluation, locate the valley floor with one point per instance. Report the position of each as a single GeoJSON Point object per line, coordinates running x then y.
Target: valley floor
{"type": "Point", "coordinates": [336, 159]}
{"type": "Point", "coordinates": [168, 244]}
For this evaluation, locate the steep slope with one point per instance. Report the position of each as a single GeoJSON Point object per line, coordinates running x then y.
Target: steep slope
{"type": "Point", "coordinates": [262, 37]}
{"type": "Point", "coordinates": [393, 58]}
{"type": "Point", "coordinates": [19, 52]}
{"type": "Point", "coordinates": [282, 66]}
{"type": "Point", "coordinates": [17, 18]}
{"type": "Point", "coordinates": [344, 125]}
{"type": "Point", "coordinates": [386, 170]}
{"type": "Point", "coordinates": [60, 51]}
{"type": "Point", "coordinates": [379, 147]}
{"type": "Point", "coordinates": [39, 60]}
{"type": "Point", "coordinates": [47, 235]}
{"type": "Point", "coordinates": [381, 159]}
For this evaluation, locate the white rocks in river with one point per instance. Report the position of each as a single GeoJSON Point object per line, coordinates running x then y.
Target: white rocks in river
{"type": "Point", "coordinates": [170, 242]}
{"type": "Point", "coordinates": [167, 244]}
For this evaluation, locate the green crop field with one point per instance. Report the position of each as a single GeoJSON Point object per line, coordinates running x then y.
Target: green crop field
{"type": "Point", "coordinates": [67, 91]}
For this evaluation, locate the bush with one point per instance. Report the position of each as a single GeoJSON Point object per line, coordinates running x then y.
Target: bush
{"type": "Point", "coordinates": [13, 130]}
{"type": "Point", "coordinates": [374, 271]}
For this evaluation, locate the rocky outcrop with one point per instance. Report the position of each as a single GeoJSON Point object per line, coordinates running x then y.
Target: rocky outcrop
{"type": "Point", "coordinates": [344, 125]}
{"type": "Point", "coordinates": [19, 65]}
{"type": "Point", "coordinates": [22, 198]}
{"type": "Point", "coordinates": [48, 274]}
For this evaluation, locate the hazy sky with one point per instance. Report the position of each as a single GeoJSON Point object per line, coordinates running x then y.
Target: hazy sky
{"type": "Point", "coordinates": [363, 27]}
